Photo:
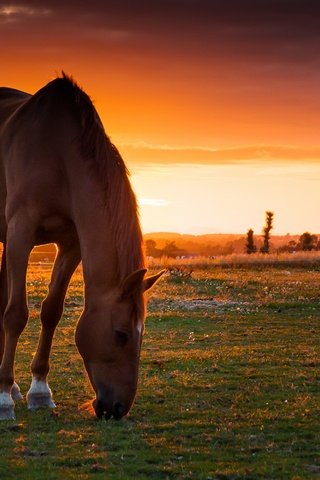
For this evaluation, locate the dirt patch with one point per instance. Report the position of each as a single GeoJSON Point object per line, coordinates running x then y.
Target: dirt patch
{"type": "Point", "coordinates": [200, 304]}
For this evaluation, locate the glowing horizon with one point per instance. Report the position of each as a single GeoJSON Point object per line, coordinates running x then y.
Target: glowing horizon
{"type": "Point", "coordinates": [227, 209]}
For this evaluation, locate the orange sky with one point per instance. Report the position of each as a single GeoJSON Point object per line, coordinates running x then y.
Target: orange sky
{"type": "Point", "coordinates": [215, 106]}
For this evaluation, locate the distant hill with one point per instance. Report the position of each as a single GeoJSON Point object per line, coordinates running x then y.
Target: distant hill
{"type": "Point", "coordinates": [216, 243]}
{"type": "Point", "coordinates": [189, 245]}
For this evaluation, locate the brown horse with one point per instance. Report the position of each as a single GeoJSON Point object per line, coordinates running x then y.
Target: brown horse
{"type": "Point", "coordinates": [62, 181]}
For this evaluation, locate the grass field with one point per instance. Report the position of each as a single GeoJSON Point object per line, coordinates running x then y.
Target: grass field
{"type": "Point", "coordinates": [229, 385]}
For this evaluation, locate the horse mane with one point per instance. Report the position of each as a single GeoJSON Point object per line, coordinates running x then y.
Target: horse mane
{"type": "Point", "coordinates": [107, 165]}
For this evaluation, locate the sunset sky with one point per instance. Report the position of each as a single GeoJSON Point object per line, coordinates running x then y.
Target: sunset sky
{"type": "Point", "coordinates": [214, 104]}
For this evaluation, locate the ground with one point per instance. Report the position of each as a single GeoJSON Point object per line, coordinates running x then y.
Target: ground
{"type": "Point", "coordinates": [229, 385]}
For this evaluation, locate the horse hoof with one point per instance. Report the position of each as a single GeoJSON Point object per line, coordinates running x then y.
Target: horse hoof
{"type": "Point", "coordinates": [39, 395]}
{"type": "Point", "coordinates": [6, 407]}
{"type": "Point", "coordinates": [15, 392]}
{"type": "Point", "coordinates": [7, 413]}
{"type": "Point", "coordinates": [40, 400]}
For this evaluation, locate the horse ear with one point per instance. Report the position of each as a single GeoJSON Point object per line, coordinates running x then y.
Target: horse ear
{"type": "Point", "coordinates": [133, 282]}
{"type": "Point", "coordinates": [150, 281]}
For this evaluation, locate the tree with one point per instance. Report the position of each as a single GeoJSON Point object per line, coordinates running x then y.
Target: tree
{"type": "Point", "coordinates": [172, 250]}
{"type": "Point", "coordinates": [289, 247]}
{"type": "Point", "coordinates": [308, 242]}
{"type": "Point", "coordinates": [250, 246]}
{"type": "Point", "coordinates": [266, 233]}
{"type": "Point", "coordinates": [151, 250]}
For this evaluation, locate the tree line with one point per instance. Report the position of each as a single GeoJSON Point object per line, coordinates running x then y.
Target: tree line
{"type": "Point", "coordinates": [180, 247]}
{"type": "Point", "coordinates": [306, 242]}
{"type": "Point", "coordinates": [169, 250]}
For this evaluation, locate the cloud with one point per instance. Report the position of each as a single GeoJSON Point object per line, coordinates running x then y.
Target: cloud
{"type": "Point", "coordinates": [263, 32]}
{"type": "Point", "coordinates": [143, 153]}
{"type": "Point", "coordinates": [11, 13]}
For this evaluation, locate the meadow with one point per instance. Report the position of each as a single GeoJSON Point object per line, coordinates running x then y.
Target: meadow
{"type": "Point", "coordinates": [229, 384]}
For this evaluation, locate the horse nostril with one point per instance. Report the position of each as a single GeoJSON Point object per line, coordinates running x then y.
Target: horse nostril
{"type": "Point", "coordinates": [118, 411]}
{"type": "Point", "coordinates": [104, 407]}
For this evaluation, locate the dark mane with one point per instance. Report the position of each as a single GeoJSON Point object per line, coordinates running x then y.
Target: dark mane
{"type": "Point", "coordinates": [108, 166]}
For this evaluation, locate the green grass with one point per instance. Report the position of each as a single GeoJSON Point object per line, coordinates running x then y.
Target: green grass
{"type": "Point", "coordinates": [229, 385]}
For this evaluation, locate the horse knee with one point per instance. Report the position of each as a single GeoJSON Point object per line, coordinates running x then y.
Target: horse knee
{"type": "Point", "coordinates": [51, 312]}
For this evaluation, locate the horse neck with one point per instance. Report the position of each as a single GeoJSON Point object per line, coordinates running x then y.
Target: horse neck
{"type": "Point", "coordinates": [99, 261]}
{"type": "Point", "coordinates": [106, 261]}
{"type": "Point", "coordinates": [98, 250]}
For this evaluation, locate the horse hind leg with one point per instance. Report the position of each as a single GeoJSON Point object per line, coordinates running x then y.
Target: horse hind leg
{"type": "Point", "coordinates": [68, 258]}
{"type": "Point", "coordinates": [19, 245]}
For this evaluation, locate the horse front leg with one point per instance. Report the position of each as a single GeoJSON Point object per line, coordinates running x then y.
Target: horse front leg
{"type": "Point", "coordinates": [3, 297]}
{"type": "Point", "coordinates": [67, 260]}
{"type": "Point", "coordinates": [15, 391]}
{"type": "Point", "coordinates": [19, 245]}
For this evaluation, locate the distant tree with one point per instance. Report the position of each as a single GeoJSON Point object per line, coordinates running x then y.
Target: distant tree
{"type": "Point", "coordinates": [150, 246]}
{"type": "Point", "coordinates": [151, 250]}
{"type": "Point", "coordinates": [308, 242]}
{"type": "Point", "coordinates": [266, 233]}
{"type": "Point", "coordinates": [292, 245]}
{"type": "Point", "coordinates": [172, 250]}
{"type": "Point", "coordinates": [289, 247]}
{"type": "Point", "coordinates": [250, 246]}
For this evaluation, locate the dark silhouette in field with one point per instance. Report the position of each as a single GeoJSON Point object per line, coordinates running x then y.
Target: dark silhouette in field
{"type": "Point", "coordinates": [266, 233]}
{"type": "Point", "coordinates": [250, 246]}
{"type": "Point", "coordinates": [307, 242]}
{"type": "Point", "coordinates": [62, 181]}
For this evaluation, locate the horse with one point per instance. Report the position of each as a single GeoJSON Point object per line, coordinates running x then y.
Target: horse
{"type": "Point", "coordinates": [62, 181]}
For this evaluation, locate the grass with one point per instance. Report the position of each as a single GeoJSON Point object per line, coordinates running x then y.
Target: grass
{"type": "Point", "coordinates": [299, 258]}
{"type": "Point", "coordinates": [229, 385]}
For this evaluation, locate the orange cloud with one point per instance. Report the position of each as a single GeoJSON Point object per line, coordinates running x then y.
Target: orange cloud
{"type": "Point", "coordinates": [164, 154]}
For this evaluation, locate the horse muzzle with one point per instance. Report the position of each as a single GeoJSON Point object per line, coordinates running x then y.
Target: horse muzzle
{"type": "Point", "coordinates": [107, 407]}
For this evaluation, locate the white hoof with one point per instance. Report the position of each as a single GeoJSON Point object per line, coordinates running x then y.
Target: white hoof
{"type": "Point", "coordinates": [39, 395]}
{"type": "Point", "coordinates": [15, 392]}
{"type": "Point", "coordinates": [6, 407]}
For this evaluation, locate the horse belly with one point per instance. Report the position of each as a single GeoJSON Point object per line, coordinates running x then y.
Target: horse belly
{"type": "Point", "coordinates": [55, 229]}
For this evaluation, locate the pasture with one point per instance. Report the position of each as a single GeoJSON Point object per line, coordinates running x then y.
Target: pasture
{"type": "Point", "coordinates": [229, 384]}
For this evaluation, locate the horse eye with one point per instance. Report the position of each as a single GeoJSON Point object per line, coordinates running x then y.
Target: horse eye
{"type": "Point", "coordinates": [121, 338]}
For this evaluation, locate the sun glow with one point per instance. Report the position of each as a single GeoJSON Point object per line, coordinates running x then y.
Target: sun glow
{"type": "Point", "coordinates": [228, 198]}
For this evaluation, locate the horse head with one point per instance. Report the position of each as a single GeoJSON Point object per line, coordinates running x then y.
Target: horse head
{"type": "Point", "coordinates": [108, 337]}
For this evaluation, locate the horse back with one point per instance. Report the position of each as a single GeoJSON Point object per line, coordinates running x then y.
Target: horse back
{"type": "Point", "coordinates": [57, 163]}
{"type": "Point", "coordinates": [38, 145]}
{"type": "Point", "coordinates": [10, 100]}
